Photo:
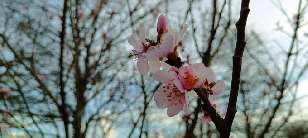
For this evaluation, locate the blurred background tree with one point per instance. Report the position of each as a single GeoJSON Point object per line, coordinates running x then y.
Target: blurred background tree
{"type": "Point", "coordinates": [66, 71]}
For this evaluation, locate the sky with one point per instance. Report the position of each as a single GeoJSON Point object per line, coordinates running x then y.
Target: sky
{"type": "Point", "coordinates": [263, 18]}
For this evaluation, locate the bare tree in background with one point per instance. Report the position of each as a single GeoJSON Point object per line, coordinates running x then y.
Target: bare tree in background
{"type": "Point", "coordinates": [59, 64]}
{"type": "Point", "coordinates": [277, 84]}
{"type": "Point", "coordinates": [66, 67]}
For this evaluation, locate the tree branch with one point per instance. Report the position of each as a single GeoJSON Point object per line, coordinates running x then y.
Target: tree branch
{"type": "Point", "coordinates": [237, 64]}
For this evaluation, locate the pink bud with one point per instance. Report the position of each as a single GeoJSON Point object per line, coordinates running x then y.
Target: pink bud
{"type": "Point", "coordinates": [162, 25]}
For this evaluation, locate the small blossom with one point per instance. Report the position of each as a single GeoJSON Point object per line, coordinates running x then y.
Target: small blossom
{"type": "Point", "coordinates": [167, 47]}
{"type": "Point", "coordinates": [185, 78]}
{"type": "Point", "coordinates": [170, 43]}
{"type": "Point", "coordinates": [170, 97]}
{"type": "Point", "coordinates": [142, 47]}
{"type": "Point", "coordinates": [162, 25]}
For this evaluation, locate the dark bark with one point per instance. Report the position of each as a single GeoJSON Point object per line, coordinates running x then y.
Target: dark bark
{"type": "Point", "coordinates": [64, 113]}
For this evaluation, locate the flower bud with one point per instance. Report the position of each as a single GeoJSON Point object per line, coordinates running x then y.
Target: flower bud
{"type": "Point", "coordinates": [162, 25]}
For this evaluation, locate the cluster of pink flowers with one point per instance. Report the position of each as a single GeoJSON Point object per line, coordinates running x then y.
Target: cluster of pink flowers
{"type": "Point", "coordinates": [176, 82]}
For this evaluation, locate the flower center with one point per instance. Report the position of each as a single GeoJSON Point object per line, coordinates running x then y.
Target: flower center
{"type": "Point", "coordinates": [190, 80]}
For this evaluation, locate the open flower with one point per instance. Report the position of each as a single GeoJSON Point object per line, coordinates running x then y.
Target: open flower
{"type": "Point", "coordinates": [142, 46]}
{"type": "Point", "coordinates": [170, 97]}
{"type": "Point", "coordinates": [150, 53]}
{"type": "Point", "coordinates": [170, 42]}
{"type": "Point", "coordinates": [185, 78]}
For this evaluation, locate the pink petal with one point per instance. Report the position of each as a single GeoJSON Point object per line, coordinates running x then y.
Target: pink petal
{"type": "Point", "coordinates": [210, 75]}
{"type": "Point", "coordinates": [138, 37]}
{"type": "Point", "coordinates": [174, 110]}
{"type": "Point", "coordinates": [179, 85]}
{"type": "Point", "coordinates": [169, 96]}
{"type": "Point", "coordinates": [153, 54]}
{"type": "Point", "coordinates": [166, 66]}
{"type": "Point", "coordinates": [135, 42]}
{"type": "Point", "coordinates": [162, 24]}
{"type": "Point", "coordinates": [143, 66]}
{"type": "Point", "coordinates": [218, 87]}
{"type": "Point", "coordinates": [177, 37]}
{"type": "Point", "coordinates": [187, 77]}
{"type": "Point", "coordinates": [164, 76]}
{"type": "Point", "coordinates": [160, 96]}
{"type": "Point", "coordinates": [143, 32]}
{"type": "Point", "coordinates": [154, 65]}
{"type": "Point", "coordinates": [167, 44]}
{"type": "Point", "coordinates": [199, 70]}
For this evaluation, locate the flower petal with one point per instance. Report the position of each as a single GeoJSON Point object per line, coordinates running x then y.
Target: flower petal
{"type": "Point", "coordinates": [164, 76]}
{"type": "Point", "coordinates": [135, 42]}
{"type": "Point", "coordinates": [169, 96]}
{"type": "Point", "coordinates": [165, 66]}
{"type": "Point", "coordinates": [160, 96]}
{"type": "Point", "coordinates": [199, 70]}
{"type": "Point", "coordinates": [143, 32]}
{"type": "Point", "coordinates": [153, 54]}
{"type": "Point", "coordinates": [210, 75]}
{"type": "Point", "coordinates": [162, 24]}
{"type": "Point", "coordinates": [218, 87]}
{"type": "Point", "coordinates": [154, 66]}
{"type": "Point", "coordinates": [179, 85]}
{"type": "Point", "coordinates": [143, 66]}
{"type": "Point", "coordinates": [173, 110]}
{"type": "Point", "coordinates": [188, 78]}
{"type": "Point", "coordinates": [168, 44]}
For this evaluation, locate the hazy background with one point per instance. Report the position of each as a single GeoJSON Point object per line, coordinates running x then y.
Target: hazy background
{"type": "Point", "coordinates": [73, 76]}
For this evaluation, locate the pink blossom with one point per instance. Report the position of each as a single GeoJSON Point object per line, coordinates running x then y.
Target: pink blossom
{"type": "Point", "coordinates": [170, 97]}
{"type": "Point", "coordinates": [168, 41]}
{"type": "Point", "coordinates": [185, 78]}
{"type": "Point", "coordinates": [142, 48]}
{"type": "Point", "coordinates": [162, 25]}
{"type": "Point", "coordinates": [168, 45]}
